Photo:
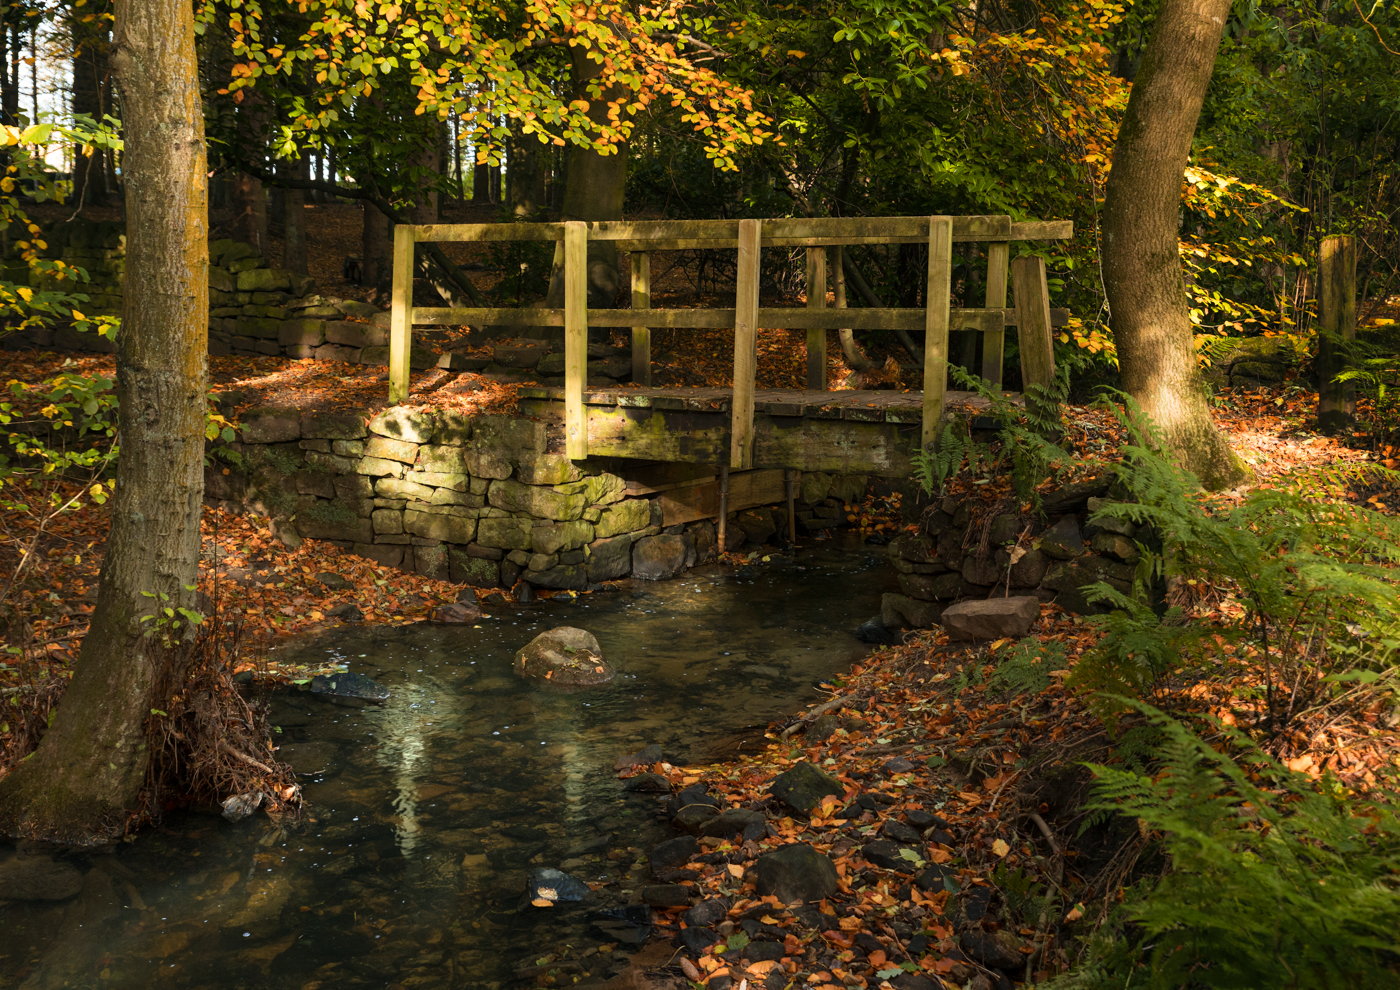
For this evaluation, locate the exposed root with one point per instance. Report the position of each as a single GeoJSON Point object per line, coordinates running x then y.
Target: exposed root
{"type": "Point", "coordinates": [203, 737]}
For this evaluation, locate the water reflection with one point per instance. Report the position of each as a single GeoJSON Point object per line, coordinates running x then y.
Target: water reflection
{"type": "Point", "coordinates": [428, 812]}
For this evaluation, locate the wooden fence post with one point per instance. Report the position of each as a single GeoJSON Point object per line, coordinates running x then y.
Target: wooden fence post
{"type": "Point", "coordinates": [641, 336]}
{"type": "Point", "coordinates": [575, 338]}
{"type": "Point", "coordinates": [1033, 328]}
{"type": "Point", "coordinates": [994, 341]}
{"type": "Point", "coordinates": [1336, 271]}
{"type": "Point", "coordinates": [745, 344]}
{"type": "Point", "coordinates": [816, 299]}
{"type": "Point", "coordinates": [401, 314]}
{"type": "Point", "coordinates": [937, 303]}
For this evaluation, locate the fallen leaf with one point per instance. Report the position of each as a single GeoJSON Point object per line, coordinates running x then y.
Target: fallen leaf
{"type": "Point", "coordinates": [1000, 847]}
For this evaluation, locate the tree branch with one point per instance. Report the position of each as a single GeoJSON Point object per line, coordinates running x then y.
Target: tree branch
{"type": "Point", "coordinates": [863, 289]}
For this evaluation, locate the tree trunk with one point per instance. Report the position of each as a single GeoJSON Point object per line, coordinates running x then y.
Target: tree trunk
{"type": "Point", "coordinates": [87, 773]}
{"type": "Point", "coordinates": [525, 173]}
{"type": "Point", "coordinates": [1141, 266]}
{"type": "Point", "coordinates": [249, 210]}
{"type": "Point", "coordinates": [90, 43]}
{"type": "Point", "coordinates": [294, 223]}
{"type": "Point", "coordinates": [375, 265]}
{"type": "Point", "coordinates": [594, 190]}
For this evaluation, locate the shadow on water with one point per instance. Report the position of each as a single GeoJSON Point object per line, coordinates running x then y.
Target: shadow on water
{"type": "Point", "coordinates": [426, 813]}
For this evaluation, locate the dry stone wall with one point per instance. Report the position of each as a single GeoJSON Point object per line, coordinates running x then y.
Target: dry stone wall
{"type": "Point", "coordinates": [475, 499]}
{"type": "Point", "coordinates": [962, 551]}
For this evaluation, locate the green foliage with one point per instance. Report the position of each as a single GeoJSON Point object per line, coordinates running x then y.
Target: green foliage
{"type": "Point", "coordinates": [1021, 892]}
{"type": "Point", "coordinates": [1310, 575]}
{"type": "Point", "coordinates": [1025, 667]}
{"type": "Point", "coordinates": [1274, 883]}
{"type": "Point", "coordinates": [283, 463]}
{"type": "Point", "coordinates": [937, 465]}
{"type": "Point", "coordinates": [166, 621]}
{"type": "Point", "coordinates": [1022, 432]}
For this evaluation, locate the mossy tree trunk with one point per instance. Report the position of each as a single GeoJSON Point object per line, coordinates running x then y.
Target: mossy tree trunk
{"type": "Point", "coordinates": [85, 779]}
{"type": "Point", "coordinates": [1141, 266]}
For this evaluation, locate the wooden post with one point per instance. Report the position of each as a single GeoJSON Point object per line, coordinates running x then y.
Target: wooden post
{"type": "Point", "coordinates": [401, 315]}
{"type": "Point", "coordinates": [575, 338]}
{"type": "Point", "coordinates": [1033, 327]}
{"type": "Point", "coordinates": [790, 482]}
{"type": "Point", "coordinates": [723, 506]}
{"type": "Point", "coordinates": [816, 299]}
{"type": "Point", "coordinates": [1336, 271]}
{"type": "Point", "coordinates": [994, 341]}
{"type": "Point", "coordinates": [745, 344]}
{"type": "Point", "coordinates": [940, 288]}
{"type": "Point", "coordinates": [641, 336]}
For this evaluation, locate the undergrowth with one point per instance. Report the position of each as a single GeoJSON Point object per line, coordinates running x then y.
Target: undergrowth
{"type": "Point", "coordinates": [1275, 882]}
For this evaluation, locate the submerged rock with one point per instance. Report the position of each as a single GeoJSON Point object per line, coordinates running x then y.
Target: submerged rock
{"type": "Point", "coordinates": [548, 887]}
{"type": "Point", "coordinates": [348, 685]}
{"type": "Point", "coordinates": [38, 878]}
{"type": "Point", "coordinates": [456, 614]}
{"type": "Point", "coordinates": [564, 657]}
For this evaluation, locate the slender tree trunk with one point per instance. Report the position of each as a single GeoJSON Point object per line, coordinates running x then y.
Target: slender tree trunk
{"type": "Point", "coordinates": [1141, 265]}
{"type": "Point", "coordinates": [91, 42]}
{"type": "Point", "coordinates": [375, 249]}
{"type": "Point", "coordinates": [294, 224]}
{"type": "Point", "coordinates": [87, 773]}
{"type": "Point", "coordinates": [525, 173]}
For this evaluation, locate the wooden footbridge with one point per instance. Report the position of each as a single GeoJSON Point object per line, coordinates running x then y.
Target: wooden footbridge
{"type": "Point", "coordinates": [744, 428]}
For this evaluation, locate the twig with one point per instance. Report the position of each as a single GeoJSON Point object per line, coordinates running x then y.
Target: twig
{"type": "Point", "coordinates": [814, 714]}
{"type": "Point", "coordinates": [238, 754]}
{"type": "Point", "coordinates": [1045, 831]}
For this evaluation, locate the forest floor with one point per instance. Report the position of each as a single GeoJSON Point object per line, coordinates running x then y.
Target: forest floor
{"type": "Point", "coordinates": [918, 737]}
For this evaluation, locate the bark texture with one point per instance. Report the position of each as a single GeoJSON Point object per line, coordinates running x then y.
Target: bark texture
{"type": "Point", "coordinates": [1141, 266]}
{"type": "Point", "coordinates": [85, 778]}
{"type": "Point", "coordinates": [594, 190]}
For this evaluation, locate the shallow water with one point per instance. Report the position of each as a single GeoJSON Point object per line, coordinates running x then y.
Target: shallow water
{"type": "Point", "coordinates": [426, 813]}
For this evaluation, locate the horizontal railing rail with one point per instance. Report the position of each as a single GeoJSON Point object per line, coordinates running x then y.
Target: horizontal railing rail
{"type": "Point", "coordinates": [1032, 315]}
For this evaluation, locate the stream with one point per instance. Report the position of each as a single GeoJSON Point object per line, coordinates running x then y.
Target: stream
{"type": "Point", "coordinates": [426, 814]}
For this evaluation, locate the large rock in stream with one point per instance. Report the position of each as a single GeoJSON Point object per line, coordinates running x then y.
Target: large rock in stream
{"type": "Point", "coordinates": [564, 657]}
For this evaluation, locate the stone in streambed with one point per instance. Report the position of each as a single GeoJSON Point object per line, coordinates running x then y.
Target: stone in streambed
{"type": "Point", "coordinates": [991, 618]}
{"type": "Point", "coordinates": [548, 887]}
{"type": "Point", "coordinates": [874, 631]}
{"type": "Point", "coordinates": [887, 855]}
{"type": "Point", "coordinates": [564, 657]}
{"type": "Point", "coordinates": [803, 787]}
{"type": "Point", "coordinates": [697, 939]}
{"type": "Point", "coordinates": [456, 614]}
{"type": "Point", "coordinates": [667, 895]}
{"type": "Point", "coordinates": [647, 783]}
{"type": "Point", "coordinates": [732, 821]}
{"type": "Point", "coordinates": [674, 852]}
{"type": "Point", "coordinates": [348, 685]}
{"type": "Point", "coordinates": [795, 873]}
{"type": "Point", "coordinates": [38, 878]}
{"type": "Point", "coordinates": [707, 914]}
{"type": "Point", "coordinates": [899, 832]}
{"type": "Point", "coordinates": [643, 757]}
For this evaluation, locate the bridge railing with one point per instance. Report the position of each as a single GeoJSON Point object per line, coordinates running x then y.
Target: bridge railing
{"type": "Point", "coordinates": [1031, 315]}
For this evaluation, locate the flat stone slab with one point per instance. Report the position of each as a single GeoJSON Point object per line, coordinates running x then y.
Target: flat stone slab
{"type": "Point", "coordinates": [991, 618]}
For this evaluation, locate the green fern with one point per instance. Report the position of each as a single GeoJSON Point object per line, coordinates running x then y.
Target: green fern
{"type": "Point", "coordinates": [1026, 667]}
{"type": "Point", "coordinates": [1308, 574]}
{"type": "Point", "coordinates": [937, 465]}
{"type": "Point", "coordinates": [1274, 883]}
